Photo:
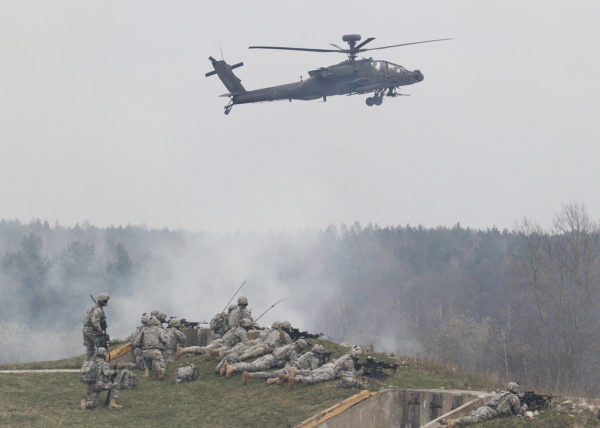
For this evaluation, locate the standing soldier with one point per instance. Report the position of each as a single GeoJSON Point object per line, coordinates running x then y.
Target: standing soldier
{"type": "Point", "coordinates": [99, 377]}
{"type": "Point", "coordinates": [151, 339]}
{"type": "Point", "coordinates": [94, 326]}
{"type": "Point", "coordinates": [175, 338]}
{"type": "Point", "coordinates": [238, 314]}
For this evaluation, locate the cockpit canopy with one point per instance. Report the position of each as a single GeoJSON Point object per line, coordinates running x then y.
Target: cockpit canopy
{"type": "Point", "coordinates": [388, 67]}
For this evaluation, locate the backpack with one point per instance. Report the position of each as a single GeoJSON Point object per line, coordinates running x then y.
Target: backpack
{"type": "Point", "coordinates": [89, 371]}
{"type": "Point", "coordinates": [128, 380]}
{"type": "Point", "coordinates": [186, 374]}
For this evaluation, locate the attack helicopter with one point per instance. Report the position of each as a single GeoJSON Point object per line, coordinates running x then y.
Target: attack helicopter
{"type": "Point", "coordinates": [350, 77]}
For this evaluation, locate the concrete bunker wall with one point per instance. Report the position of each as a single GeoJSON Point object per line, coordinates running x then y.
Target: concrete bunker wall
{"type": "Point", "coordinates": [403, 408]}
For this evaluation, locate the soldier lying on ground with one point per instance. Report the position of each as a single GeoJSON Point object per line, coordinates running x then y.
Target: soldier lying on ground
{"type": "Point", "coordinates": [267, 341]}
{"type": "Point", "coordinates": [278, 358]}
{"type": "Point", "coordinates": [505, 403]}
{"type": "Point", "coordinates": [344, 368]}
{"type": "Point", "coordinates": [308, 361]}
{"type": "Point", "coordinates": [230, 339]}
{"type": "Point", "coordinates": [152, 339]}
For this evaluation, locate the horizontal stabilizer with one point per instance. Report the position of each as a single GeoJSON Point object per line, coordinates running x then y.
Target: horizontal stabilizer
{"type": "Point", "coordinates": [225, 73]}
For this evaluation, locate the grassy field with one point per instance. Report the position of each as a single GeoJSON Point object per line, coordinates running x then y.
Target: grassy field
{"type": "Point", "coordinates": [213, 401]}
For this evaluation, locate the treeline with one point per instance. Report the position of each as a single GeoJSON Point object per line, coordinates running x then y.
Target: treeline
{"type": "Point", "coordinates": [522, 304]}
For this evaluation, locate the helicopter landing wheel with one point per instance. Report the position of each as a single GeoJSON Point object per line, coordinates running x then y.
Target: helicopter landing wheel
{"type": "Point", "coordinates": [369, 101]}
{"type": "Point", "coordinates": [377, 101]}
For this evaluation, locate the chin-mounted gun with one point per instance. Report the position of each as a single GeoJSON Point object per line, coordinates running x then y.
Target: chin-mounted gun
{"type": "Point", "coordinates": [374, 369]}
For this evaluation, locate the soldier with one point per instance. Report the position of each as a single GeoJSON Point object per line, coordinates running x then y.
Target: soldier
{"type": "Point", "coordinates": [94, 326]}
{"type": "Point", "coordinates": [278, 358]}
{"type": "Point", "coordinates": [238, 314]}
{"type": "Point", "coordinates": [344, 368]}
{"type": "Point", "coordinates": [160, 316]}
{"type": "Point", "coordinates": [230, 339]}
{"type": "Point", "coordinates": [137, 350]}
{"type": "Point", "coordinates": [151, 339]}
{"type": "Point", "coordinates": [505, 403]}
{"type": "Point", "coordinates": [98, 375]}
{"type": "Point", "coordinates": [308, 361]}
{"type": "Point", "coordinates": [175, 338]}
{"type": "Point", "coordinates": [219, 323]}
{"type": "Point", "coordinates": [265, 343]}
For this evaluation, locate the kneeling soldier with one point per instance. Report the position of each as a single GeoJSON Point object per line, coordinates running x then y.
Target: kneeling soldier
{"type": "Point", "coordinates": [99, 377]}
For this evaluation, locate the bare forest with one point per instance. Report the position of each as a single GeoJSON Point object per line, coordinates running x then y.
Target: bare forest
{"type": "Point", "coordinates": [521, 304]}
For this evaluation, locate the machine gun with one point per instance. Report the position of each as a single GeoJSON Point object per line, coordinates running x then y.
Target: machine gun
{"type": "Point", "coordinates": [536, 401]}
{"type": "Point", "coordinates": [296, 334]}
{"type": "Point", "coordinates": [374, 369]}
{"type": "Point", "coordinates": [190, 324]}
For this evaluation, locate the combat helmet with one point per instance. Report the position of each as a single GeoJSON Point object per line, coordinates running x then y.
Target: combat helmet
{"type": "Point", "coordinates": [301, 343]}
{"type": "Point", "coordinates": [286, 325]}
{"type": "Point", "coordinates": [355, 352]}
{"type": "Point", "coordinates": [231, 308]}
{"type": "Point", "coordinates": [276, 324]}
{"type": "Point", "coordinates": [102, 297]}
{"type": "Point", "coordinates": [174, 322]}
{"type": "Point", "coordinates": [513, 387]}
{"type": "Point", "coordinates": [242, 301]}
{"type": "Point", "coordinates": [101, 352]}
{"type": "Point", "coordinates": [144, 319]}
{"type": "Point", "coordinates": [318, 348]}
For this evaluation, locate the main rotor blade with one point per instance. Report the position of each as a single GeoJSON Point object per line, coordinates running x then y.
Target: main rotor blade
{"type": "Point", "coordinates": [295, 49]}
{"type": "Point", "coordinates": [370, 39]}
{"type": "Point", "coordinates": [336, 46]}
{"type": "Point", "coordinates": [405, 44]}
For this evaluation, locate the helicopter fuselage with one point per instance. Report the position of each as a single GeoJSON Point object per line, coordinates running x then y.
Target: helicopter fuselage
{"type": "Point", "coordinates": [346, 78]}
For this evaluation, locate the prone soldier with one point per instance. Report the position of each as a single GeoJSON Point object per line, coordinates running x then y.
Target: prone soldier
{"type": "Point", "coordinates": [278, 358]}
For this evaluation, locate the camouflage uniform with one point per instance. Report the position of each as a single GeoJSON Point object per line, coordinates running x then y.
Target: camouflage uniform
{"type": "Point", "coordinates": [220, 322]}
{"type": "Point", "coordinates": [506, 403]}
{"type": "Point", "coordinates": [239, 313]}
{"type": "Point", "coordinates": [102, 383]}
{"type": "Point", "coordinates": [94, 326]}
{"type": "Point", "coordinates": [151, 339]}
{"type": "Point", "coordinates": [344, 368]}
{"type": "Point", "coordinates": [264, 344]}
{"type": "Point", "coordinates": [278, 358]}
{"type": "Point", "coordinates": [175, 338]}
{"type": "Point", "coordinates": [230, 339]}
{"type": "Point", "coordinates": [137, 350]}
{"type": "Point", "coordinates": [308, 361]}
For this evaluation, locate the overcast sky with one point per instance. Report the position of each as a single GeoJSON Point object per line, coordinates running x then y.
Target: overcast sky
{"type": "Point", "coordinates": [106, 115]}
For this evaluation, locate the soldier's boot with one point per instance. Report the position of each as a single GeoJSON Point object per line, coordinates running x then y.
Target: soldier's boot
{"type": "Point", "coordinates": [113, 404]}
{"type": "Point", "coordinates": [211, 353]}
{"type": "Point", "coordinates": [222, 354]}
{"type": "Point", "coordinates": [161, 374]}
{"type": "Point", "coordinates": [223, 369]}
{"type": "Point", "coordinates": [230, 370]}
{"type": "Point", "coordinates": [273, 380]}
{"type": "Point", "coordinates": [179, 352]}
{"type": "Point", "coordinates": [82, 405]}
{"type": "Point", "coordinates": [245, 376]}
{"type": "Point", "coordinates": [291, 381]}
{"type": "Point", "coordinates": [146, 372]}
{"type": "Point", "coordinates": [281, 379]}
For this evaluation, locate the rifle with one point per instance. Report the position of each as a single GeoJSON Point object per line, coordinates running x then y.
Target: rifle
{"type": "Point", "coordinates": [296, 334]}
{"type": "Point", "coordinates": [268, 309]}
{"type": "Point", "coordinates": [112, 379]}
{"type": "Point", "coordinates": [234, 294]}
{"type": "Point", "coordinates": [191, 324]}
{"type": "Point", "coordinates": [374, 368]}
{"type": "Point", "coordinates": [536, 401]}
